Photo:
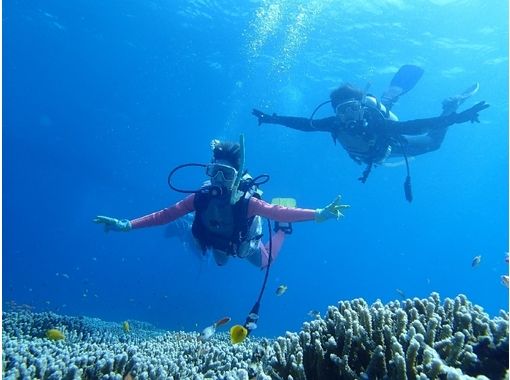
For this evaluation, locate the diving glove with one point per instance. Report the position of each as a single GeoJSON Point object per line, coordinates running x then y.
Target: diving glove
{"type": "Point", "coordinates": [471, 114]}
{"type": "Point", "coordinates": [263, 117]}
{"type": "Point", "coordinates": [331, 211]}
{"type": "Point", "coordinates": [112, 224]}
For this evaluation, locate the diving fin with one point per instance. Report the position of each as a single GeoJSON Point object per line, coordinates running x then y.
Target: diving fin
{"type": "Point", "coordinates": [403, 81]}
{"type": "Point", "coordinates": [470, 91]}
{"type": "Point", "coordinates": [451, 104]}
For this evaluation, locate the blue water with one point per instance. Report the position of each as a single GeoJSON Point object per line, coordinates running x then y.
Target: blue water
{"type": "Point", "coordinates": [101, 102]}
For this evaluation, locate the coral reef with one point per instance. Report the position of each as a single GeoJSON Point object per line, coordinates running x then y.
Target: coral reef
{"type": "Point", "coordinates": [415, 339]}
{"type": "Point", "coordinates": [412, 339]}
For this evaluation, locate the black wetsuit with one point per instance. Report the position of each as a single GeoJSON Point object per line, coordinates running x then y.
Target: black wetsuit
{"type": "Point", "coordinates": [370, 143]}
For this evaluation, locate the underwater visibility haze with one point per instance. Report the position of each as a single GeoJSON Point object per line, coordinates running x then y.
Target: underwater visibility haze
{"type": "Point", "coordinates": [101, 100]}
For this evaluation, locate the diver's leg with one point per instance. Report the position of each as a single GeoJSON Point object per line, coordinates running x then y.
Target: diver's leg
{"type": "Point", "coordinates": [256, 257]}
{"type": "Point", "coordinates": [416, 145]}
{"type": "Point", "coordinates": [193, 245]}
{"type": "Point", "coordinates": [451, 104]}
{"type": "Point", "coordinates": [179, 227]}
{"type": "Point", "coordinates": [261, 257]}
{"type": "Point", "coordinates": [277, 243]}
{"type": "Point", "coordinates": [432, 140]}
{"type": "Point", "coordinates": [436, 138]}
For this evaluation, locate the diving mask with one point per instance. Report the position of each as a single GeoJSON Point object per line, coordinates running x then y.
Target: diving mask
{"type": "Point", "coordinates": [221, 174]}
{"type": "Point", "coordinates": [351, 112]}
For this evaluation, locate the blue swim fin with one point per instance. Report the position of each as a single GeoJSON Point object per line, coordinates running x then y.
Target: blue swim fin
{"type": "Point", "coordinates": [403, 81]}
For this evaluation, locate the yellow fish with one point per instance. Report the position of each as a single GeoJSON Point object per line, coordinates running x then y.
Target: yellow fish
{"type": "Point", "coordinates": [125, 326]}
{"type": "Point", "coordinates": [54, 334]}
{"type": "Point", "coordinates": [281, 289]}
{"type": "Point", "coordinates": [238, 334]}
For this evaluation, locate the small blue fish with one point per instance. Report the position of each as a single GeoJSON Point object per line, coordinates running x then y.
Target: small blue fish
{"type": "Point", "coordinates": [476, 261]}
{"type": "Point", "coordinates": [314, 314]}
{"type": "Point", "coordinates": [251, 326]}
{"type": "Point", "coordinates": [401, 293]}
{"type": "Point", "coordinates": [281, 289]}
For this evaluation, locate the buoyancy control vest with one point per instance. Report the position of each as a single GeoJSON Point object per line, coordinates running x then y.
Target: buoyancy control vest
{"type": "Point", "coordinates": [357, 129]}
{"type": "Point", "coordinates": [220, 225]}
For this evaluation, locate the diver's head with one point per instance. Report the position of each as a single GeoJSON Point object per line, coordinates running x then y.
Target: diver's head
{"type": "Point", "coordinates": [224, 164]}
{"type": "Point", "coordinates": [227, 151]}
{"type": "Point", "coordinates": [347, 104]}
{"type": "Point", "coordinates": [345, 93]}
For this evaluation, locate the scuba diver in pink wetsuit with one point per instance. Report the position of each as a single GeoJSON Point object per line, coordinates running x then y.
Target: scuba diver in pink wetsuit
{"type": "Point", "coordinates": [228, 210]}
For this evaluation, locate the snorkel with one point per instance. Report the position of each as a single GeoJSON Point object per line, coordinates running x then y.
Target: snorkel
{"type": "Point", "coordinates": [234, 196]}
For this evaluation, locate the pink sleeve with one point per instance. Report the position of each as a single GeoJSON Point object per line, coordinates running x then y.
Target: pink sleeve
{"type": "Point", "coordinates": [279, 213]}
{"type": "Point", "coordinates": [166, 215]}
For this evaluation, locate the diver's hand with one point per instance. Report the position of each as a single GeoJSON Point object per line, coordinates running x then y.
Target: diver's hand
{"type": "Point", "coordinates": [112, 224]}
{"type": "Point", "coordinates": [263, 117]}
{"type": "Point", "coordinates": [331, 211]}
{"type": "Point", "coordinates": [471, 114]}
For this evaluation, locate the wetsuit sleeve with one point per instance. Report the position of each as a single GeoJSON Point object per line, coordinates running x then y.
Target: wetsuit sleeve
{"type": "Point", "coordinates": [418, 126]}
{"type": "Point", "coordinates": [303, 123]}
{"type": "Point", "coordinates": [166, 215]}
{"type": "Point", "coordinates": [279, 213]}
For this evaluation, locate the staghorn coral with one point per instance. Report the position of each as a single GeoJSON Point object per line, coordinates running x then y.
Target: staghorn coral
{"type": "Point", "coordinates": [420, 338]}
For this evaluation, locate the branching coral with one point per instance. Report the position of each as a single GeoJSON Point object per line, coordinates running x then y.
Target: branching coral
{"type": "Point", "coordinates": [420, 338]}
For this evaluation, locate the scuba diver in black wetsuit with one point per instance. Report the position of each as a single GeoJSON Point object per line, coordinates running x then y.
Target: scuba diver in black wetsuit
{"type": "Point", "coordinates": [371, 133]}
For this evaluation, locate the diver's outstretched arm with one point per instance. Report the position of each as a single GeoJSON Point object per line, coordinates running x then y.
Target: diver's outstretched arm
{"type": "Point", "coordinates": [421, 126]}
{"type": "Point", "coordinates": [299, 123]}
{"type": "Point", "coordinates": [418, 126]}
